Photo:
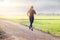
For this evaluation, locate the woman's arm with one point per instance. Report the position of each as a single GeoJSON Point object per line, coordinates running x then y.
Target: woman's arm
{"type": "Point", "coordinates": [34, 12]}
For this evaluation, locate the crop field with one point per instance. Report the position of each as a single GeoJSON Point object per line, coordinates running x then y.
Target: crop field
{"type": "Point", "coordinates": [49, 24]}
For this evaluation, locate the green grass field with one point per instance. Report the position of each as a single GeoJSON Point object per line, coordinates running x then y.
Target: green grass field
{"type": "Point", "coordinates": [49, 26]}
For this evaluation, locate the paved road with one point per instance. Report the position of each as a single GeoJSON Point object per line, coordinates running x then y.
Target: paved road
{"type": "Point", "coordinates": [16, 31]}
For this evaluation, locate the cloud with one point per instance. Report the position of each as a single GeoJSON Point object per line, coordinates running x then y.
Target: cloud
{"type": "Point", "coordinates": [48, 6]}
{"type": "Point", "coordinates": [22, 6]}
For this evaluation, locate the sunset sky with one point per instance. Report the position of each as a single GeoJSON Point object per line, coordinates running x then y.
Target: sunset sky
{"type": "Point", "coordinates": [17, 7]}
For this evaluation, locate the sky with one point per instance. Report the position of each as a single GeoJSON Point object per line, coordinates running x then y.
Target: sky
{"type": "Point", "coordinates": [18, 7]}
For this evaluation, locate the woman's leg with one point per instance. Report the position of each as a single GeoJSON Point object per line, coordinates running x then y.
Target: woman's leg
{"type": "Point", "coordinates": [31, 22]}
